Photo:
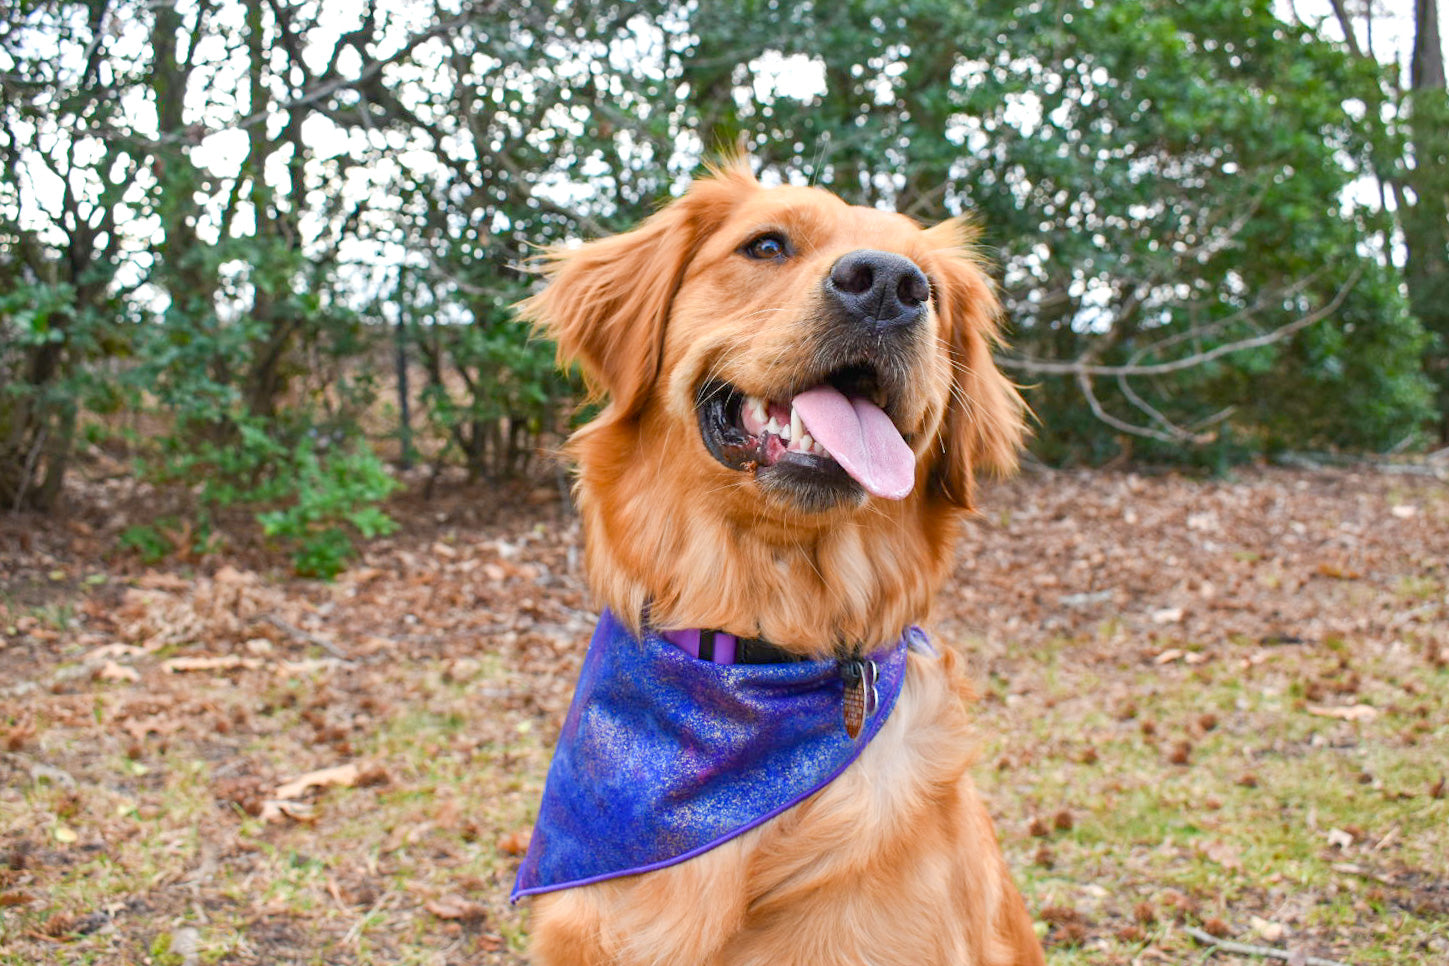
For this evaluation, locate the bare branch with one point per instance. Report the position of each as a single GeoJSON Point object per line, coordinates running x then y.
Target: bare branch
{"type": "Point", "coordinates": [1130, 394]}
{"type": "Point", "coordinates": [1161, 428]}
{"type": "Point", "coordinates": [1197, 333]}
{"type": "Point", "coordinates": [1345, 20]}
{"type": "Point", "coordinates": [191, 134]}
{"type": "Point", "coordinates": [1172, 434]}
{"type": "Point", "coordinates": [1077, 367]}
{"type": "Point", "coordinates": [1246, 949]}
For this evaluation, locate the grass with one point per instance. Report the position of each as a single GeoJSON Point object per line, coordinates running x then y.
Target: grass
{"type": "Point", "coordinates": [1215, 794]}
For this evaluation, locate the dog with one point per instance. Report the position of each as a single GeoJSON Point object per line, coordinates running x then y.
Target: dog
{"type": "Point", "coordinates": [800, 396]}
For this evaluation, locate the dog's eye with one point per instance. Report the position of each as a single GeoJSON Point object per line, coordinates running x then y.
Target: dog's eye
{"type": "Point", "coordinates": [769, 247]}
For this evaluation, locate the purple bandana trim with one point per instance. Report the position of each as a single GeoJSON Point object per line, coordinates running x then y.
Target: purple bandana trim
{"type": "Point", "coordinates": [663, 756]}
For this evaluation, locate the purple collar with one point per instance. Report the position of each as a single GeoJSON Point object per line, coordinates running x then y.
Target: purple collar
{"type": "Point", "coordinates": [722, 648]}
{"type": "Point", "coordinates": [664, 756]}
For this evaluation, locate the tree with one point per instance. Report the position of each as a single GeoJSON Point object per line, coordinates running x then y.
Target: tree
{"type": "Point", "coordinates": [64, 225]}
{"type": "Point", "coordinates": [222, 289]}
{"type": "Point", "coordinates": [1424, 197]}
{"type": "Point", "coordinates": [531, 124]}
{"type": "Point", "coordinates": [1410, 167]}
{"type": "Point", "coordinates": [1161, 184]}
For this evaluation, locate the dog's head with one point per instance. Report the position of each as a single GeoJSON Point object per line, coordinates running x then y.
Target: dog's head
{"type": "Point", "coordinates": [779, 365]}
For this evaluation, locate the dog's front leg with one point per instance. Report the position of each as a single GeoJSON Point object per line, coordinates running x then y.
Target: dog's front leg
{"type": "Point", "coordinates": [568, 930]}
{"type": "Point", "coordinates": [686, 913]}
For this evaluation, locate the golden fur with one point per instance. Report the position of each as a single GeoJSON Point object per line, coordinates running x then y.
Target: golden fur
{"type": "Point", "coordinates": [896, 862]}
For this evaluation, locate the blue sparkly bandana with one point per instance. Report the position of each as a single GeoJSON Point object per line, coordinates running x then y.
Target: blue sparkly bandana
{"type": "Point", "coordinates": [664, 756]}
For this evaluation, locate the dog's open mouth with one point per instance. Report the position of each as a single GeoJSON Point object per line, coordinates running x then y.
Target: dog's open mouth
{"type": "Point", "coordinates": [824, 443]}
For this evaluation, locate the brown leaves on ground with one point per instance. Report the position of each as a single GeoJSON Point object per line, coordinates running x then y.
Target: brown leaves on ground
{"type": "Point", "coordinates": [1178, 560]}
{"type": "Point", "coordinates": [456, 907]}
{"type": "Point", "coordinates": [346, 772]}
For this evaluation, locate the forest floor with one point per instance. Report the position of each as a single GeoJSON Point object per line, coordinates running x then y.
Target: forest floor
{"type": "Point", "coordinates": [1218, 705]}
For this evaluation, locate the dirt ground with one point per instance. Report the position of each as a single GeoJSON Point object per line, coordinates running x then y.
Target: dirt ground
{"type": "Point", "coordinates": [1211, 706]}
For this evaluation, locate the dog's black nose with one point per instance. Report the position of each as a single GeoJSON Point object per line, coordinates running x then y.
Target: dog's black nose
{"type": "Point", "coordinates": [879, 289]}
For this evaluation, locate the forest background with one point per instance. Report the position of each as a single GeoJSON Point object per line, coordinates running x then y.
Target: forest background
{"type": "Point", "coordinates": [263, 253]}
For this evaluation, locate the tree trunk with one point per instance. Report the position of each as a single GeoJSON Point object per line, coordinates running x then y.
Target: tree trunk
{"type": "Point", "coordinates": [1426, 72]}
{"type": "Point", "coordinates": [1425, 216]}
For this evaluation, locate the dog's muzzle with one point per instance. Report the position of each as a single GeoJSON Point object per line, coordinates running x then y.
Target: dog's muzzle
{"type": "Point", "coordinates": [836, 435]}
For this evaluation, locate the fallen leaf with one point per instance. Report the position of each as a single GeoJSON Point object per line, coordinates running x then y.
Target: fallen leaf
{"type": "Point", "coordinates": [1335, 572]}
{"type": "Point", "coordinates": [336, 775]}
{"type": "Point", "coordinates": [111, 671]}
{"type": "Point", "coordinates": [226, 663]}
{"type": "Point", "coordinates": [274, 810]}
{"type": "Point", "coordinates": [230, 575]}
{"type": "Point", "coordinates": [515, 843]}
{"type": "Point", "coordinates": [1225, 854]}
{"type": "Point", "coordinates": [1202, 521]}
{"type": "Point", "coordinates": [111, 651]}
{"type": "Point", "coordinates": [1356, 712]}
{"type": "Point", "coordinates": [1167, 615]}
{"type": "Point", "coordinates": [306, 668]}
{"type": "Point", "coordinates": [455, 907]}
{"type": "Point", "coordinates": [155, 581]}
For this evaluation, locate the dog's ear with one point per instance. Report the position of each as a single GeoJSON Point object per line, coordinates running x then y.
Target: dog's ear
{"type": "Point", "coordinates": [607, 302]}
{"type": "Point", "coordinates": [984, 424]}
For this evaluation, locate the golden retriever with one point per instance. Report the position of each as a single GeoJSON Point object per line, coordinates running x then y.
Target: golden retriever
{"type": "Point", "coordinates": [706, 504]}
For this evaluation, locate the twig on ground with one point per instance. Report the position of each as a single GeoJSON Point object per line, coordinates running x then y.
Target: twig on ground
{"type": "Point", "coordinates": [1247, 949]}
{"type": "Point", "coordinates": [307, 637]}
{"type": "Point", "coordinates": [354, 932]}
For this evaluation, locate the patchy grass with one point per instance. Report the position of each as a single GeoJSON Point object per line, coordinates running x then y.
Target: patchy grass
{"type": "Point", "coordinates": [1215, 793]}
{"type": "Point", "coordinates": [1203, 704]}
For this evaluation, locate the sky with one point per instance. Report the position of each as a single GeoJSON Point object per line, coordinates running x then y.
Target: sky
{"type": "Point", "coordinates": [222, 152]}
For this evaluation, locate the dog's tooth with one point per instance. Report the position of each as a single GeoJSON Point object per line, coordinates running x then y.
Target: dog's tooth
{"type": "Point", "coordinates": [753, 415]}
{"type": "Point", "coordinates": [806, 443]}
{"type": "Point", "coordinates": [796, 428]}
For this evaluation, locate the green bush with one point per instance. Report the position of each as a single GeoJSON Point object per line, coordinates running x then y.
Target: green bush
{"type": "Point", "coordinates": [147, 541]}
{"type": "Point", "coordinates": [330, 499]}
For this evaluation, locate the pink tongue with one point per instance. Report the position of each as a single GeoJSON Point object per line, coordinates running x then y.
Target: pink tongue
{"type": "Point", "coordinates": [862, 439]}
